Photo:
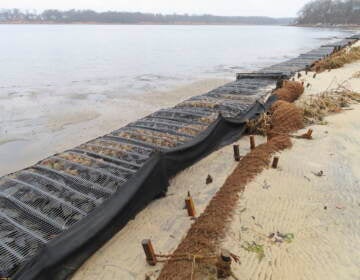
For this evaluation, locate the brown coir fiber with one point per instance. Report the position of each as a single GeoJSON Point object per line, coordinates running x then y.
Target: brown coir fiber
{"type": "Point", "coordinates": [209, 229]}
{"type": "Point", "coordinates": [285, 118]}
{"type": "Point", "coordinates": [290, 91]}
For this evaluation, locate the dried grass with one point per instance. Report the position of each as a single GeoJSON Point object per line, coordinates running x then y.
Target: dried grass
{"type": "Point", "coordinates": [338, 59]}
{"type": "Point", "coordinates": [260, 125]}
{"type": "Point", "coordinates": [356, 75]}
{"type": "Point", "coordinates": [315, 108]}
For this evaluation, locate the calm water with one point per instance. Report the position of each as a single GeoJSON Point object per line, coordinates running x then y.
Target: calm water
{"type": "Point", "coordinates": [114, 59]}
{"type": "Point", "coordinates": [68, 83]}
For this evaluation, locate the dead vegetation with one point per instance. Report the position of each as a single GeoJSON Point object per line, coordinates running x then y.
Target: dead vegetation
{"type": "Point", "coordinates": [315, 108]}
{"type": "Point", "coordinates": [209, 229]}
{"type": "Point", "coordinates": [356, 75]}
{"type": "Point", "coordinates": [338, 59]}
{"type": "Point", "coordinates": [260, 125]}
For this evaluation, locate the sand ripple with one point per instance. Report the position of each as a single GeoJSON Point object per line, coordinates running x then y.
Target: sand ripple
{"type": "Point", "coordinates": [322, 212]}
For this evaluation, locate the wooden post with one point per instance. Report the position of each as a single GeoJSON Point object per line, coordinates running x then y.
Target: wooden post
{"type": "Point", "coordinates": [208, 180]}
{"type": "Point", "coordinates": [190, 206]}
{"type": "Point", "coordinates": [252, 142]}
{"type": "Point", "coordinates": [279, 83]}
{"type": "Point", "coordinates": [309, 134]}
{"type": "Point", "coordinates": [224, 265]}
{"type": "Point", "coordinates": [236, 153]}
{"type": "Point", "coordinates": [275, 162]}
{"type": "Point", "coordinates": [149, 252]}
{"type": "Point", "coordinates": [268, 137]}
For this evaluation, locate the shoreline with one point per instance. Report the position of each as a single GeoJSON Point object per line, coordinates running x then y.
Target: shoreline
{"type": "Point", "coordinates": [334, 26]}
{"type": "Point", "coordinates": [104, 169]}
{"type": "Point", "coordinates": [67, 128]}
{"type": "Point", "coordinates": [167, 226]}
{"type": "Point", "coordinates": [140, 23]}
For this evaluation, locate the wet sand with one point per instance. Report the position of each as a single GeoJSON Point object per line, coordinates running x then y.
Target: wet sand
{"type": "Point", "coordinates": [49, 129]}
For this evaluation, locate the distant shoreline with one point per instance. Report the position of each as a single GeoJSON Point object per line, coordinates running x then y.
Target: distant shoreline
{"type": "Point", "coordinates": [140, 23]}
{"type": "Point", "coordinates": [177, 23]}
{"type": "Point", "coordinates": [328, 25]}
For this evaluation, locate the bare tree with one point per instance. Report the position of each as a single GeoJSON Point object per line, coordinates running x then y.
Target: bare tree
{"type": "Point", "coordinates": [330, 12]}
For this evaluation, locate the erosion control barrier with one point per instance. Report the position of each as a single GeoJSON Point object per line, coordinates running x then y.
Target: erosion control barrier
{"type": "Point", "coordinates": [55, 214]}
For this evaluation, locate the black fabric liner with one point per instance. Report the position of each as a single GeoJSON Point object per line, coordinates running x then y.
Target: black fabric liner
{"type": "Point", "coordinates": [61, 257]}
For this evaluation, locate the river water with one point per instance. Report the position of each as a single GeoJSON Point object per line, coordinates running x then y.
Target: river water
{"type": "Point", "coordinates": [61, 85]}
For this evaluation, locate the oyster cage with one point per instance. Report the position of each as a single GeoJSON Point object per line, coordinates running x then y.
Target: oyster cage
{"type": "Point", "coordinates": [46, 202]}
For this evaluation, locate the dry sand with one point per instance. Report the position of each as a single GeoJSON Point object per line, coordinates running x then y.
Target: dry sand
{"type": "Point", "coordinates": [323, 212]}
{"type": "Point", "coordinates": [164, 221]}
{"type": "Point", "coordinates": [290, 200]}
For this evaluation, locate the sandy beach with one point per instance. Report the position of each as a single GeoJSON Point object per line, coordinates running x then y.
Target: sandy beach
{"type": "Point", "coordinates": [320, 213]}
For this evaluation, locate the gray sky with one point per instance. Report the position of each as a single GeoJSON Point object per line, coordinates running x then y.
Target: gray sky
{"type": "Point", "coordinates": [274, 8]}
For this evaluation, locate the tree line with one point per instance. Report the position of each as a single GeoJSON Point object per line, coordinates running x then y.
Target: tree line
{"type": "Point", "coordinates": [89, 16]}
{"type": "Point", "coordinates": [330, 12]}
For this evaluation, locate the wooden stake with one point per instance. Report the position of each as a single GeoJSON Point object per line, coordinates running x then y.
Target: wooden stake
{"type": "Point", "coordinates": [208, 180]}
{"type": "Point", "coordinates": [190, 206]}
{"type": "Point", "coordinates": [149, 252]}
{"type": "Point", "coordinates": [275, 162]}
{"type": "Point", "coordinates": [252, 142]}
{"type": "Point", "coordinates": [309, 134]}
{"type": "Point", "coordinates": [224, 265]}
{"type": "Point", "coordinates": [236, 153]}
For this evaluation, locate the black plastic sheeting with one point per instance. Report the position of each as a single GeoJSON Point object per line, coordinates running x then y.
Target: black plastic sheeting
{"type": "Point", "coordinates": [58, 212]}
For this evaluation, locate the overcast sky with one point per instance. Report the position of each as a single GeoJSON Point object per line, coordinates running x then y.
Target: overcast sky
{"type": "Point", "coordinates": [274, 8]}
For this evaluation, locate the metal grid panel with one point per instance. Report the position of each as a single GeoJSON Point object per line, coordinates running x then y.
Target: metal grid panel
{"type": "Point", "coordinates": [156, 139]}
{"type": "Point", "coordinates": [123, 160]}
{"type": "Point", "coordinates": [160, 128]}
{"type": "Point", "coordinates": [141, 151]}
{"type": "Point", "coordinates": [103, 180]}
{"type": "Point", "coordinates": [80, 202]}
{"type": "Point", "coordinates": [21, 217]}
{"type": "Point", "coordinates": [55, 211]}
{"type": "Point", "coordinates": [93, 190]}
